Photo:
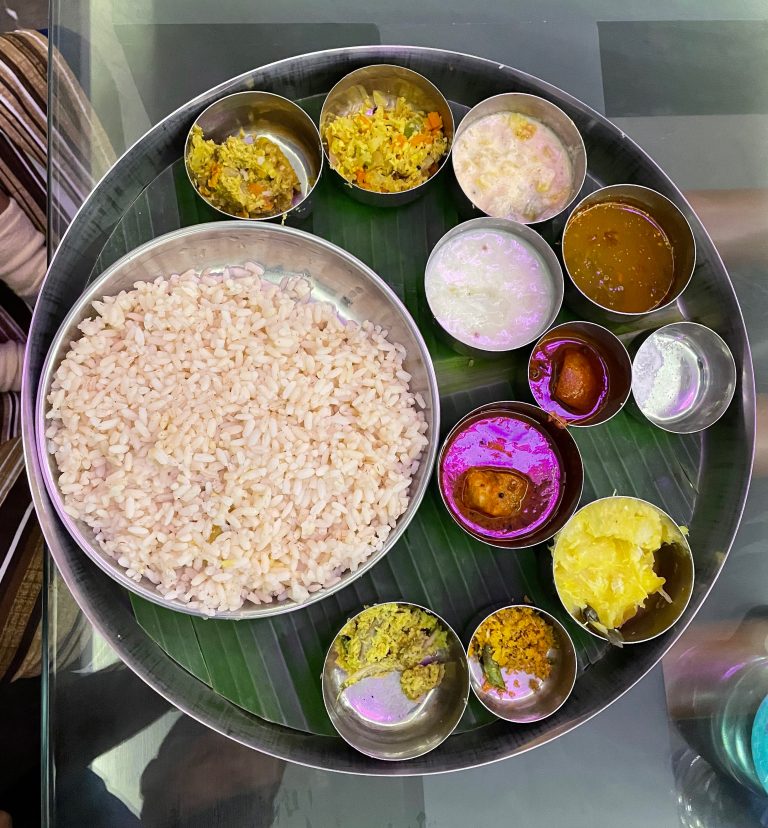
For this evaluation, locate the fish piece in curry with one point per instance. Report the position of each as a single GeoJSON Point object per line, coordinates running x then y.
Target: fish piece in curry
{"type": "Point", "coordinates": [494, 492]}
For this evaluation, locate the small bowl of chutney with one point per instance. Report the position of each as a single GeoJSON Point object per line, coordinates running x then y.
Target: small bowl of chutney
{"type": "Point", "coordinates": [581, 373]}
{"type": "Point", "coordinates": [628, 250]}
{"type": "Point", "coordinates": [510, 475]}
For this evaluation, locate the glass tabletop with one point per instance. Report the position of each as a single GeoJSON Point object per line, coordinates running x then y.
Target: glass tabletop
{"type": "Point", "coordinates": [115, 752]}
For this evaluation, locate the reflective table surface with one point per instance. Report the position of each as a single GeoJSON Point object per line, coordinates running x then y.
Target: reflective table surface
{"type": "Point", "coordinates": [689, 82]}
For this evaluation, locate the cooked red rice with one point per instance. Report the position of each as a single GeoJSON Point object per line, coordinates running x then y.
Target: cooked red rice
{"type": "Point", "coordinates": [232, 440]}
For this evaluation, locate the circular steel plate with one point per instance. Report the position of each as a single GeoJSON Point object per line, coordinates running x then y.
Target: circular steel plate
{"type": "Point", "coordinates": [724, 454]}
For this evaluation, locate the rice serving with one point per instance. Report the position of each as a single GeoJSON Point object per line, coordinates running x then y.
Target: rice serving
{"type": "Point", "coordinates": [233, 440]}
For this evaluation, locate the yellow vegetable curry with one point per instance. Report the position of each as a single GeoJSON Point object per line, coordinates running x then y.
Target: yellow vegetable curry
{"type": "Point", "coordinates": [391, 637]}
{"type": "Point", "coordinates": [243, 176]}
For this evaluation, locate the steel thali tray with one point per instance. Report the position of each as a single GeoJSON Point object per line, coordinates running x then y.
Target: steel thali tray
{"type": "Point", "coordinates": [702, 480]}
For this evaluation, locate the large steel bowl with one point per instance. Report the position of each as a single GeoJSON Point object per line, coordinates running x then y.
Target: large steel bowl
{"type": "Point", "coordinates": [337, 277]}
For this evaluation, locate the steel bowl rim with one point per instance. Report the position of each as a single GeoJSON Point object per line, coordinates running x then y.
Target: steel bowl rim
{"type": "Point", "coordinates": [101, 559]}
{"type": "Point", "coordinates": [611, 334]}
{"type": "Point", "coordinates": [463, 660]}
{"type": "Point", "coordinates": [248, 92]}
{"type": "Point", "coordinates": [527, 234]}
{"type": "Point", "coordinates": [411, 191]}
{"type": "Point", "coordinates": [732, 362]}
{"type": "Point", "coordinates": [566, 118]}
{"type": "Point", "coordinates": [439, 464]}
{"type": "Point", "coordinates": [571, 648]}
{"type": "Point", "coordinates": [631, 315]}
{"type": "Point", "coordinates": [686, 546]}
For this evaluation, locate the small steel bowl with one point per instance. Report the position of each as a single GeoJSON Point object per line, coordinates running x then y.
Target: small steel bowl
{"type": "Point", "coordinates": [570, 464]}
{"type": "Point", "coordinates": [674, 562]}
{"type": "Point", "coordinates": [671, 220]}
{"type": "Point", "coordinates": [375, 717]}
{"type": "Point", "coordinates": [548, 114]}
{"type": "Point", "coordinates": [283, 122]}
{"type": "Point", "coordinates": [525, 234]}
{"type": "Point", "coordinates": [524, 702]}
{"type": "Point", "coordinates": [694, 388]}
{"type": "Point", "coordinates": [615, 358]}
{"type": "Point", "coordinates": [349, 95]}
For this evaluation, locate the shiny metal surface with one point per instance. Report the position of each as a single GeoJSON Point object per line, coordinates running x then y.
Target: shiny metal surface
{"type": "Point", "coordinates": [350, 93]}
{"type": "Point", "coordinates": [523, 703]}
{"type": "Point", "coordinates": [675, 225]}
{"type": "Point", "coordinates": [375, 717]}
{"type": "Point", "coordinates": [337, 277]}
{"type": "Point", "coordinates": [526, 234]}
{"type": "Point", "coordinates": [262, 114]}
{"type": "Point", "coordinates": [723, 475]}
{"type": "Point", "coordinates": [571, 467]}
{"type": "Point", "coordinates": [675, 563]}
{"type": "Point", "coordinates": [617, 362]}
{"type": "Point", "coordinates": [547, 113]}
{"type": "Point", "coordinates": [683, 377]}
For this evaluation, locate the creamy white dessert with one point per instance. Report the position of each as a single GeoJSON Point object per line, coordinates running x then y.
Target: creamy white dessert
{"type": "Point", "coordinates": [490, 289]}
{"type": "Point", "coordinates": [512, 166]}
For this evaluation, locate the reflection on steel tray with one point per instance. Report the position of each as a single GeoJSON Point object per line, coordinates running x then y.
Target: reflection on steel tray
{"type": "Point", "coordinates": [701, 480]}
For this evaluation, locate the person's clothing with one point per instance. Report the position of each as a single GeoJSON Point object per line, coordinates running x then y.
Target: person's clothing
{"type": "Point", "coordinates": [23, 256]}
{"type": "Point", "coordinates": [21, 546]}
{"type": "Point", "coordinates": [23, 128]}
{"type": "Point", "coordinates": [21, 542]}
{"type": "Point", "coordinates": [83, 152]}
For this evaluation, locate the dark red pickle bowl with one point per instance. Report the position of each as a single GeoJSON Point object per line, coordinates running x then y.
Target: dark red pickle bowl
{"type": "Point", "coordinates": [609, 368]}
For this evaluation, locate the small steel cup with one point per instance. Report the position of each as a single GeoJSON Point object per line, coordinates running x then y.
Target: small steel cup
{"type": "Point", "coordinates": [683, 377]}
{"type": "Point", "coordinates": [523, 703]}
{"type": "Point", "coordinates": [571, 467]}
{"type": "Point", "coordinates": [548, 114]}
{"type": "Point", "coordinates": [674, 563]}
{"type": "Point", "coordinates": [671, 220]}
{"type": "Point", "coordinates": [615, 358]}
{"type": "Point", "coordinates": [263, 114]}
{"type": "Point", "coordinates": [349, 95]}
{"type": "Point", "coordinates": [375, 717]}
{"type": "Point", "coordinates": [526, 234]}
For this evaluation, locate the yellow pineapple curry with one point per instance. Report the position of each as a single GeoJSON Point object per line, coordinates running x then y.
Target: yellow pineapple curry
{"type": "Point", "coordinates": [604, 559]}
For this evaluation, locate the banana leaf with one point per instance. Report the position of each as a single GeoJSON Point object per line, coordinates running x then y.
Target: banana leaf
{"type": "Point", "coordinates": [272, 667]}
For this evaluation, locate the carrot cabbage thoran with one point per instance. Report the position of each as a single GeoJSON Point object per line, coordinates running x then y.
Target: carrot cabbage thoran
{"type": "Point", "coordinates": [385, 148]}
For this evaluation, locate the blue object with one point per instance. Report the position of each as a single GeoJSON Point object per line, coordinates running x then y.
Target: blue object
{"type": "Point", "coordinates": [760, 743]}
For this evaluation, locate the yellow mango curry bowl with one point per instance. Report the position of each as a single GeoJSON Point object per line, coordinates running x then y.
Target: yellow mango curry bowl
{"type": "Point", "coordinates": [623, 569]}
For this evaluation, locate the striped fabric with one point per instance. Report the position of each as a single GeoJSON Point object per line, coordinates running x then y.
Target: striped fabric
{"type": "Point", "coordinates": [14, 322]}
{"type": "Point", "coordinates": [21, 564]}
{"type": "Point", "coordinates": [81, 154]}
{"type": "Point", "coordinates": [23, 130]}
